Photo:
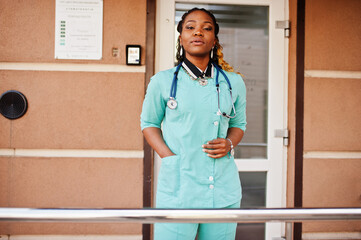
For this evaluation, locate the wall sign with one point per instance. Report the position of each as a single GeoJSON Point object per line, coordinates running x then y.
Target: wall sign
{"type": "Point", "coordinates": [133, 54]}
{"type": "Point", "coordinates": [78, 29]}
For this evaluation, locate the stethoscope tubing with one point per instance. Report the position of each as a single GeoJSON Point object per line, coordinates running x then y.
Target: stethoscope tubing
{"type": "Point", "coordinates": [224, 75]}
{"type": "Point", "coordinates": [173, 89]}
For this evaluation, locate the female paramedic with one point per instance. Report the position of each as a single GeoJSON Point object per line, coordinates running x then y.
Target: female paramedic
{"type": "Point", "coordinates": [202, 106]}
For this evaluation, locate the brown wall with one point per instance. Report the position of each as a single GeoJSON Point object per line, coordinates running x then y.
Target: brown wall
{"type": "Point", "coordinates": [332, 109]}
{"type": "Point", "coordinates": [75, 110]}
{"type": "Point", "coordinates": [71, 110]}
{"type": "Point", "coordinates": [332, 113]}
{"type": "Point", "coordinates": [70, 183]}
{"type": "Point", "coordinates": [333, 35]}
{"type": "Point", "coordinates": [332, 183]}
{"type": "Point", "coordinates": [28, 30]}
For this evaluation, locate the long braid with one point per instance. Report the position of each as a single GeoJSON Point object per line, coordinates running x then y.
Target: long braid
{"type": "Point", "coordinates": [179, 56]}
{"type": "Point", "coordinates": [220, 60]}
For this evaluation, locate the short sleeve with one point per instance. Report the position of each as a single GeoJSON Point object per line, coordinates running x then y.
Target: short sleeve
{"type": "Point", "coordinates": [153, 106]}
{"type": "Point", "coordinates": [239, 120]}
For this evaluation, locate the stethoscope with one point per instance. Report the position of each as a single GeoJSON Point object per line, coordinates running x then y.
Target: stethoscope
{"type": "Point", "coordinates": [172, 102]}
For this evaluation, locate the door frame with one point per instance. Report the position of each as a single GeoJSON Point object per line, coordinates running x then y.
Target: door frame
{"type": "Point", "coordinates": [278, 95]}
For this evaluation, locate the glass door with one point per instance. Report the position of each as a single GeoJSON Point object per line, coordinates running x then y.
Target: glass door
{"type": "Point", "coordinates": [253, 46]}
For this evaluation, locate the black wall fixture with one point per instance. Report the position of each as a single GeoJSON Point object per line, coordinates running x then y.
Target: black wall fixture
{"type": "Point", "coordinates": [13, 104]}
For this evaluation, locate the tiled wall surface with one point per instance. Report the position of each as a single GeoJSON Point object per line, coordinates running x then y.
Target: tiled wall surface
{"type": "Point", "coordinates": [332, 110]}
{"type": "Point", "coordinates": [71, 110]}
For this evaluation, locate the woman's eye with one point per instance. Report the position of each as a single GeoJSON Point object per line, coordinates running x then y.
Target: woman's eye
{"type": "Point", "coordinates": [208, 28]}
{"type": "Point", "coordinates": [189, 27]}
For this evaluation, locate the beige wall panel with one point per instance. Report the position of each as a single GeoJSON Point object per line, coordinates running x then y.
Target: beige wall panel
{"type": "Point", "coordinates": [4, 182]}
{"type": "Point", "coordinates": [28, 30]}
{"type": "Point", "coordinates": [333, 35]}
{"type": "Point", "coordinates": [75, 110]}
{"type": "Point", "coordinates": [331, 226]}
{"type": "Point", "coordinates": [70, 228]}
{"type": "Point", "coordinates": [332, 115]}
{"type": "Point", "coordinates": [5, 127]}
{"type": "Point", "coordinates": [76, 182]}
{"type": "Point", "coordinates": [71, 183]}
{"type": "Point", "coordinates": [124, 23]}
{"type": "Point", "coordinates": [332, 183]}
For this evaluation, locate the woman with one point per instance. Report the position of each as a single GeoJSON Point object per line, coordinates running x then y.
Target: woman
{"type": "Point", "coordinates": [200, 127]}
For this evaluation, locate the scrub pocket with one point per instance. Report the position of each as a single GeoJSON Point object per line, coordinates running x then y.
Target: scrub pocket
{"type": "Point", "coordinates": [168, 179]}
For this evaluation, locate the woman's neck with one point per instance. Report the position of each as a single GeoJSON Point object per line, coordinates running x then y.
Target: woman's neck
{"type": "Point", "coordinates": [200, 62]}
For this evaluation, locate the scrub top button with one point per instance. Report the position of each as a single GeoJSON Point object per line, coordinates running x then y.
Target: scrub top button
{"type": "Point", "coordinates": [215, 123]}
{"type": "Point", "coordinates": [210, 178]}
{"type": "Point", "coordinates": [211, 186]}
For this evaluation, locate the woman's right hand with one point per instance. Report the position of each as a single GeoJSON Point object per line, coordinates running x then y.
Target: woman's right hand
{"type": "Point", "coordinates": [155, 139]}
{"type": "Point", "coordinates": [217, 148]}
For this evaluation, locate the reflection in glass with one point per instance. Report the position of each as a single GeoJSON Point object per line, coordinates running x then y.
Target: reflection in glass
{"type": "Point", "coordinates": [253, 196]}
{"type": "Point", "coordinates": [244, 37]}
{"type": "Point", "coordinates": [253, 189]}
{"type": "Point", "coordinates": [250, 231]}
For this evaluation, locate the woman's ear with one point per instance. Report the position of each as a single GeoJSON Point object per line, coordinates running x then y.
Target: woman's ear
{"type": "Point", "coordinates": [180, 40]}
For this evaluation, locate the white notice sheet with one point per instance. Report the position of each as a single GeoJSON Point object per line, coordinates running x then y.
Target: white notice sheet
{"type": "Point", "coordinates": [79, 29]}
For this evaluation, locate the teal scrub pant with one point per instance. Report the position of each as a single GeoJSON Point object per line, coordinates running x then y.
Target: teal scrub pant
{"type": "Point", "coordinates": [203, 231]}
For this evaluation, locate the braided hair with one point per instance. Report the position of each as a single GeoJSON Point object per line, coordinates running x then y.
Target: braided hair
{"type": "Point", "coordinates": [217, 56]}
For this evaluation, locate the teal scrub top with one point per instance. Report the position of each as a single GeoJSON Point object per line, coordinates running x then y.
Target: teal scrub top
{"type": "Point", "coordinates": [191, 179]}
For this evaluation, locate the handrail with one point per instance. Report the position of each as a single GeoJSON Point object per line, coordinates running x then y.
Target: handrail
{"type": "Point", "coordinates": [179, 215]}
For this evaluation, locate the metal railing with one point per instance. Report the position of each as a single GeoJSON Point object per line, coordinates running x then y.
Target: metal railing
{"type": "Point", "coordinates": [288, 215]}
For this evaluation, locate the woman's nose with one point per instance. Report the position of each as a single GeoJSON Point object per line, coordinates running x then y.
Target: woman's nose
{"type": "Point", "coordinates": [198, 32]}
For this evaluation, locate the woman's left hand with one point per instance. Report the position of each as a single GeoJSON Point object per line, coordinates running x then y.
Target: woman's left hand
{"type": "Point", "coordinates": [217, 148]}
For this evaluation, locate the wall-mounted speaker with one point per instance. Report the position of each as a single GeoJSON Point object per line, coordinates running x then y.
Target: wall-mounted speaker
{"type": "Point", "coordinates": [13, 104]}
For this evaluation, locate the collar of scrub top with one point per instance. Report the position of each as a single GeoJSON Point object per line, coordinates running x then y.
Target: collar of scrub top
{"type": "Point", "coordinates": [195, 72]}
{"type": "Point", "coordinates": [173, 90]}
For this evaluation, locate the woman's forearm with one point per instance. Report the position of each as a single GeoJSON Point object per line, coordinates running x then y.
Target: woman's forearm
{"type": "Point", "coordinates": [235, 135]}
{"type": "Point", "coordinates": [155, 139]}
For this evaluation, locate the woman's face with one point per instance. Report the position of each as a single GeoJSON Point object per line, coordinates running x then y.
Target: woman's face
{"type": "Point", "coordinates": [197, 37]}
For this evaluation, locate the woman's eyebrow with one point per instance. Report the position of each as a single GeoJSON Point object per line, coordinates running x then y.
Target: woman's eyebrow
{"type": "Point", "coordinates": [196, 21]}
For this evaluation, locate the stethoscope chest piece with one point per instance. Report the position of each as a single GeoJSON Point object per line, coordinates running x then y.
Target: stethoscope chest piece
{"type": "Point", "coordinates": [172, 103]}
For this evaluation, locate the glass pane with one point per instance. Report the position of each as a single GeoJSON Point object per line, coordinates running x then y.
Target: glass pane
{"type": "Point", "coordinates": [253, 196]}
{"type": "Point", "coordinates": [244, 37]}
{"type": "Point", "coordinates": [250, 231]}
{"type": "Point", "coordinates": [253, 189]}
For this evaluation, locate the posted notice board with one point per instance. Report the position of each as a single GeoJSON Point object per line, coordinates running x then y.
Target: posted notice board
{"type": "Point", "coordinates": [79, 29]}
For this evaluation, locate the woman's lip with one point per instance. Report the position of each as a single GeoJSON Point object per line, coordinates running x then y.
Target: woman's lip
{"type": "Point", "coordinates": [197, 42]}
